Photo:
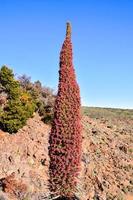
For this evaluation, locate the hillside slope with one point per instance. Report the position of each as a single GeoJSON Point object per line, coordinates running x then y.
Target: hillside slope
{"type": "Point", "coordinates": [107, 160]}
{"type": "Point", "coordinates": [24, 156]}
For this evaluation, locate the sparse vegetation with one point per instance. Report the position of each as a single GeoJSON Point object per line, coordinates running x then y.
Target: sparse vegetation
{"type": "Point", "coordinates": [107, 113]}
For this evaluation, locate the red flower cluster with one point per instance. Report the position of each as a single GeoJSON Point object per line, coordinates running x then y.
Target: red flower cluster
{"type": "Point", "coordinates": [65, 136]}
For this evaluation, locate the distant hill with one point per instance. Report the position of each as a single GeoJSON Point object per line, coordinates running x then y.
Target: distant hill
{"type": "Point", "coordinates": [98, 112]}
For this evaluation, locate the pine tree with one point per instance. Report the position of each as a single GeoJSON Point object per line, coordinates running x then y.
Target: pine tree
{"type": "Point", "coordinates": [20, 105]}
{"type": "Point", "coordinates": [10, 85]}
{"type": "Point", "coordinates": [65, 136]}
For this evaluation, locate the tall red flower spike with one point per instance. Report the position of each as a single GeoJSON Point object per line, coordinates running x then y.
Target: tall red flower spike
{"type": "Point", "coordinates": [65, 136]}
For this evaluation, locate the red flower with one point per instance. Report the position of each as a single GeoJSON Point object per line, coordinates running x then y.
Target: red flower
{"type": "Point", "coordinates": [65, 136]}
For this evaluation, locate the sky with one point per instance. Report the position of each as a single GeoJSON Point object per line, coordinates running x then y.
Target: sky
{"type": "Point", "coordinates": [32, 33]}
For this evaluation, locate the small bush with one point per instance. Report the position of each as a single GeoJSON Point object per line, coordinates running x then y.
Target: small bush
{"type": "Point", "coordinates": [43, 97]}
{"type": "Point", "coordinates": [20, 105]}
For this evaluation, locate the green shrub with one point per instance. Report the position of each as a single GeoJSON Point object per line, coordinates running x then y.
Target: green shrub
{"type": "Point", "coordinates": [20, 105]}
{"type": "Point", "coordinates": [43, 97]}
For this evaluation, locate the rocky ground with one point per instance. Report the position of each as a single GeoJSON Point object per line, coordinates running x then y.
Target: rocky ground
{"type": "Point", "coordinates": [24, 161]}
{"type": "Point", "coordinates": [107, 160]}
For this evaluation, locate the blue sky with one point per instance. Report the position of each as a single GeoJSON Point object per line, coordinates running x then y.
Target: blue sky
{"type": "Point", "coordinates": [32, 32]}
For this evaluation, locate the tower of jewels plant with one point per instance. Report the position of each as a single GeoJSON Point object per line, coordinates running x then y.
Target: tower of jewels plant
{"type": "Point", "coordinates": [65, 135]}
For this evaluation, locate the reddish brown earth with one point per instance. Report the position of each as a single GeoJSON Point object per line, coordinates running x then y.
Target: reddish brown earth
{"type": "Point", "coordinates": [26, 155]}
{"type": "Point", "coordinates": [107, 161]}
